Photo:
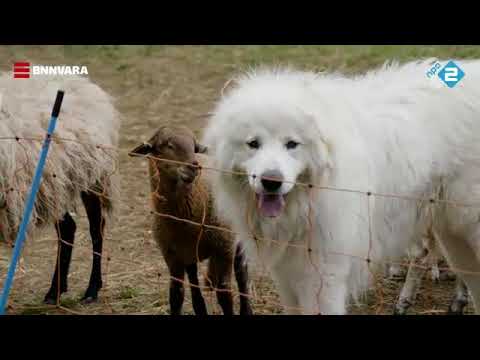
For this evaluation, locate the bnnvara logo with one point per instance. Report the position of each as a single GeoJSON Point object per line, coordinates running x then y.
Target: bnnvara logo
{"type": "Point", "coordinates": [450, 74]}
{"type": "Point", "coordinates": [24, 70]}
{"type": "Point", "coordinates": [21, 70]}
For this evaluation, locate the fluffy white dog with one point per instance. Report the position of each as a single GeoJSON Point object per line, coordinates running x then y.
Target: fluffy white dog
{"type": "Point", "coordinates": [391, 131]}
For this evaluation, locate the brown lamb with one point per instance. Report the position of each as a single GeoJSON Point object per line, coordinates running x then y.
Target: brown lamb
{"type": "Point", "coordinates": [179, 190]}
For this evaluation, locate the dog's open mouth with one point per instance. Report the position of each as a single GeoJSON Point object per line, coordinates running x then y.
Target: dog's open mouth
{"type": "Point", "coordinates": [270, 205]}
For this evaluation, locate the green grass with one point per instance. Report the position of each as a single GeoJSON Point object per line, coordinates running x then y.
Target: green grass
{"type": "Point", "coordinates": [349, 58]}
{"type": "Point", "coordinates": [128, 292]}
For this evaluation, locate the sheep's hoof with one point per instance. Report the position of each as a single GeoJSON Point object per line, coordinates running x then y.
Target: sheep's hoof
{"type": "Point", "coordinates": [91, 295]}
{"type": "Point", "coordinates": [457, 307]}
{"type": "Point", "coordinates": [50, 300]}
{"type": "Point", "coordinates": [52, 296]}
{"type": "Point", "coordinates": [89, 299]}
{"type": "Point", "coordinates": [400, 310]}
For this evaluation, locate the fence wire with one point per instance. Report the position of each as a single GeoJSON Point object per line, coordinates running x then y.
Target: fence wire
{"type": "Point", "coordinates": [161, 282]}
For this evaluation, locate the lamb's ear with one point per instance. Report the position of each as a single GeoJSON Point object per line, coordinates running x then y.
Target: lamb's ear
{"type": "Point", "coordinates": [3, 201]}
{"type": "Point", "coordinates": [200, 149]}
{"type": "Point", "coordinates": [142, 149]}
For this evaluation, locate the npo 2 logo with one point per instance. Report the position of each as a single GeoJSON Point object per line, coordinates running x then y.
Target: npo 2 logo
{"type": "Point", "coordinates": [450, 74]}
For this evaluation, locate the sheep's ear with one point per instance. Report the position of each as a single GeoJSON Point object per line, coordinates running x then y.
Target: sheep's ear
{"type": "Point", "coordinates": [142, 149]}
{"type": "Point", "coordinates": [3, 201]}
{"type": "Point", "coordinates": [200, 149]}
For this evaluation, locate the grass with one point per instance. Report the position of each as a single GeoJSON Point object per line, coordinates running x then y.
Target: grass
{"type": "Point", "coordinates": [154, 84]}
{"type": "Point", "coordinates": [349, 58]}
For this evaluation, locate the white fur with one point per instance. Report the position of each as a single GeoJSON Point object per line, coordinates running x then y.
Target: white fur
{"type": "Point", "coordinates": [87, 118]}
{"type": "Point", "coordinates": [391, 131]}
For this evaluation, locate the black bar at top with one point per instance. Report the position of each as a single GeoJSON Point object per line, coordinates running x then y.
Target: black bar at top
{"type": "Point", "coordinates": [58, 103]}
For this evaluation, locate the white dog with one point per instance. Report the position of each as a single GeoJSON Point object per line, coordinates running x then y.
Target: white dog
{"type": "Point", "coordinates": [391, 131]}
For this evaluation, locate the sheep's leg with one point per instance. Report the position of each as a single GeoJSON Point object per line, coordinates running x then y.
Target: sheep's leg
{"type": "Point", "coordinates": [241, 275]}
{"type": "Point", "coordinates": [197, 299]}
{"type": "Point", "coordinates": [461, 298]}
{"type": "Point", "coordinates": [394, 271]}
{"type": "Point", "coordinates": [177, 291]}
{"type": "Point", "coordinates": [410, 288]}
{"type": "Point", "coordinates": [96, 220]}
{"type": "Point", "coordinates": [66, 235]}
{"type": "Point", "coordinates": [461, 257]}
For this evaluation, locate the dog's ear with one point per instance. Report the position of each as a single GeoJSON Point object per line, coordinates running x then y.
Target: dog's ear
{"type": "Point", "coordinates": [200, 149]}
{"type": "Point", "coordinates": [142, 149]}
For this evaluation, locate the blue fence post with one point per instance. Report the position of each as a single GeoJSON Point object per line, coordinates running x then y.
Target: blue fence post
{"type": "Point", "coordinates": [30, 203]}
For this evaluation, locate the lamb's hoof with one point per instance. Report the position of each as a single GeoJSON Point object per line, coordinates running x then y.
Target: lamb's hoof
{"type": "Point", "coordinates": [246, 311]}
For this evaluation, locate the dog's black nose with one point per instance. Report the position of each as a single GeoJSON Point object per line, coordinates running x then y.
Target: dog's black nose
{"type": "Point", "coordinates": [272, 180]}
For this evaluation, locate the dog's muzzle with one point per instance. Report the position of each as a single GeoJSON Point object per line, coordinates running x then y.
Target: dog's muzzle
{"type": "Point", "coordinates": [270, 202]}
{"type": "Point", "coordinates": [272, 180]}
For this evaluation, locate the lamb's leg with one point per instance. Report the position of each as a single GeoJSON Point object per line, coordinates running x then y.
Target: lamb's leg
{"type": "Point", "coordinates": [66, 236]}
{"type": "Point", "coordinates": [220, 267]}
{"type": "Point", "coordinates": [96, 220]}
{"type": "Point", "coordinates": [241, 275]}
{"type": "Point", "coordinates": [177, 290]}
{"type": "Point", "coordinates": [461, 298]}
{"type": "Point", "coordinates": [198, 301]}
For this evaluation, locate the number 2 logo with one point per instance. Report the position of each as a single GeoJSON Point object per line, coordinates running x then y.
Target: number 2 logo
{"type": "Point", "coordinates": [451, 74]}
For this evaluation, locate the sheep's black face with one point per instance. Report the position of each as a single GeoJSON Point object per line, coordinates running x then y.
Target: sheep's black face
{"type": "Point", "coordinates": [174, 150]}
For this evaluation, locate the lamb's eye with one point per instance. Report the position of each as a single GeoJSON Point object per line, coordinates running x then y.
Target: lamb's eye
{"type": "Point", "coordinates": [291, 144]}
{"type": "Point", "coordinates": [170, 145]}
{"type": "Point", "coordinates": [254, 144]}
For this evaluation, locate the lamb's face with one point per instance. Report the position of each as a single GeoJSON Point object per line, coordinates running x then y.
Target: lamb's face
{"type": "Point", "coordinates": [180, 149]}
{"type": "Point", "coordinates": [174, 150]}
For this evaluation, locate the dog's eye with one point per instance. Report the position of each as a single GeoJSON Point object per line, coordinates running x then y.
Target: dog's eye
{"type": "Point", "coordinates": [291, 144]}
{"type": "Point", "coordinates": [254, 144]}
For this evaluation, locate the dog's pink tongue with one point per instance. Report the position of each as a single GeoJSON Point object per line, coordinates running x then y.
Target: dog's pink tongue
{"type": "Point", "coordinates": [270, 205]}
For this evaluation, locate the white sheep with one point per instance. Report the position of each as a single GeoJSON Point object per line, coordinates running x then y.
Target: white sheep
{"type": "Point", "coordinates": [81, 163]}
{"type": "Point", "coordinates": [423, 256]}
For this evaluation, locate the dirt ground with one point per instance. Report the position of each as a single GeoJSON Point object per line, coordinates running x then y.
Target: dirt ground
{"type": "Point", "coordinates": [178, 84]}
